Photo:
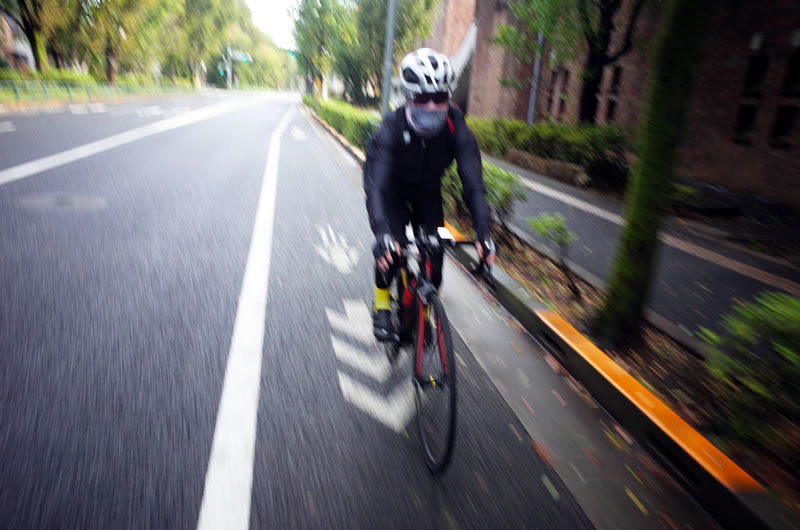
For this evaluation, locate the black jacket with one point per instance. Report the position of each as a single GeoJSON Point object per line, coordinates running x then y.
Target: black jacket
{"type": "Point", "coordinates": [400, 163]}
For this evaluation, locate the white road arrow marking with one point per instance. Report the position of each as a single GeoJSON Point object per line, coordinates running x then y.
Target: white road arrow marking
{"type": "Point", "coordinates": [376, 366]}
{"type": "Point", "coordinates": [394, 411]}
{"type": "Point", "coordinates": [298, 134]}
{"type": "Point", "coordinates": [335, 252]}
{"type": "Point", "coordinates": [357, 324]}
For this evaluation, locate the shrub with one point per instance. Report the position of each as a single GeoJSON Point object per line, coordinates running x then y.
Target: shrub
{"type": "Point", "coordinates": [9, 74]}
{"type": "Point", "coordinates": [755, 363]}
{"type": "Point", "coordinates": [554, 228]}
{"type": "Point", "coordinates": [183, 82]}
{"type": "Point", "coordinates": [502, 189]}
{"type": "Point", "coordinates": [64, 76]}
{"type": "Point", "coordinates": [354, 124]}
{"type": "Point", "coordinates": [311, 102]}
{"type": "Point", "coordinates": [599, 149]}
{"type": "Point", "coordinates": [135, 80]}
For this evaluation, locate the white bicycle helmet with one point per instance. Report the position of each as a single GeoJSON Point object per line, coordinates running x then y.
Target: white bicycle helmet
{"type": "Point", "coordinates": [426, 71]}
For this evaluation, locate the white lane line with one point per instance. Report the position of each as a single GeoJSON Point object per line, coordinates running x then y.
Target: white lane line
{"type": "Point", "coordinates": [78, 109]}
{"type": "Point", "coordinates": [7, 126]}
{"type": "Point", "coordinates": [703, 253]}
{"type": "Point", "coordinates": [77, 153]}
{"type": "Point", "coordinates": [229, 477]}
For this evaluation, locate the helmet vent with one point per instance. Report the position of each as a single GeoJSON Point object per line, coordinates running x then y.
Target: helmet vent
{"type": "Point", "coordinates": [410, 76]}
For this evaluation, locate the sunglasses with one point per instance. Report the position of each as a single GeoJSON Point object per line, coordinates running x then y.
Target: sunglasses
{"type": "Point", "coordinates": [437, 97]}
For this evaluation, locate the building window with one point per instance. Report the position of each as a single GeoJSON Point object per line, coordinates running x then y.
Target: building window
{"type": "Point", "coordinates": [756, 73]}
{"type": "Point", "coordinates": [757, 42]}
{"type": "Point", "coordinates": [611, 110]}
{"type": "Point", "coordinates": [615, 80]}
{"type": "Point", "coordinates": [791, 85]}
{"type": "Point", "coordinates": [562, 105]}
{"type": "Point", "coordinates": [785, 121]}
{"type": "Point", "coordinates": [745, 123]}
{"type": "Point", "coordinates": [551, 92]}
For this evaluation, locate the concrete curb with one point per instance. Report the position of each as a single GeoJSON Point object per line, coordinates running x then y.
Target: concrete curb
{"type": "Point", "coordinates": [724, 489]}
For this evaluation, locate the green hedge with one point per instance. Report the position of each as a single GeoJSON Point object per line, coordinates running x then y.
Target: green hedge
{"type": "Point", "coordinates": [51, 75]}
{"type": "Point", "coordinates": [503, 188]}
{"type": "Point", "coordinates": [70, 77]}
{"type": "Point", "coordinates": [354, 124]}
{"type": "Point", "coordinates": [9, 74]}
{"type": "Point", "coordinates": [136, 80]}
{"type": "Point", "coordinates": [599, 149]}
{"type": "Point", "coordinates": [311, 102]}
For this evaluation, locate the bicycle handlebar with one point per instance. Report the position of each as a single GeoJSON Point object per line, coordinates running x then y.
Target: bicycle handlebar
{"type": "Point", "coordinates": [483, 270]}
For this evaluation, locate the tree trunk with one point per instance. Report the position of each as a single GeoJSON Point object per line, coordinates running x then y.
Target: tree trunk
{"type": "Point", "coordinates": [592, 79]}
{"type": "Point", "coordinates": [34, 39]}
{"type": "Point", "coordinates": [111, 61]}
{"type": "Point", "coordinates": [677, 45]}
{"type": "Point", "coordinates": [30, 26]}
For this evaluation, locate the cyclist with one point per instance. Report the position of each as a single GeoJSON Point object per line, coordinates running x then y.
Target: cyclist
{"type": "Point", "coordinates": [406, 159]}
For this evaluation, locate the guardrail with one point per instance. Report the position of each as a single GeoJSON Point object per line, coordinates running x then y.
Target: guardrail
{"type": "Point", "coordinates": [29, 90]}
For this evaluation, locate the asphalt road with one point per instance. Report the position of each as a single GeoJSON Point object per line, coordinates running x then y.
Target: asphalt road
{"type": "Point", "coordinates": [135, 388]}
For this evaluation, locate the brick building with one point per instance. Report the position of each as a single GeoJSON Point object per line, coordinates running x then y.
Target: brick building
{"type": "Point", "coordinates": [455, 18]}
{"type": "Point", "coordinates": [742, 128]}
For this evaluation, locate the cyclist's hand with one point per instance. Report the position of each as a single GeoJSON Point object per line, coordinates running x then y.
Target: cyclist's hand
{"type": "Point", "coordinates": [384, 251]}
{"type": "Point", "coordinates": [486, 251]}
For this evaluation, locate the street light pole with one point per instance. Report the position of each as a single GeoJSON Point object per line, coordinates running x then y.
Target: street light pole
{"type": "Point", "coordinates": [229, 68]}
{"type": "Point", "coordinates": [388, 53]}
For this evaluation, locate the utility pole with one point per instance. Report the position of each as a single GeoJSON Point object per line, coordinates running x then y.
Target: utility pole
{"type": "Point", "coordinates": [229, 68]}
{"type": "Point", "coordinates": [388, 54]}
{"type": "Point", "coordinates": [535, 78]}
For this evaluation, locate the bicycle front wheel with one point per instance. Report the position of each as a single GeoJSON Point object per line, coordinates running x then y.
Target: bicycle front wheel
{"type": "Point", "coordinates": [435, 384]}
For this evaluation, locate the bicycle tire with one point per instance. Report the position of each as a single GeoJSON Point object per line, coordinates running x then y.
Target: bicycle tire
{"type": "Point", "coordinates": [437, 452]}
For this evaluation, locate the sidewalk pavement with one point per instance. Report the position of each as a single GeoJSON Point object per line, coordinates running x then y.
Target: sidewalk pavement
{"type": "Point", "coordinates": [698, 277]}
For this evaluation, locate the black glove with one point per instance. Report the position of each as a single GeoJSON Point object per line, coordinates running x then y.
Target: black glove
{"type": "Point", "coordinates": [383, 245]}
{"type": "Point", "coordinates": [488, 247]}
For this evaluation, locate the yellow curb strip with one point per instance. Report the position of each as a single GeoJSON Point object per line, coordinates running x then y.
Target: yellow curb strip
{"type": "Point", "coordinates": [716, 463]}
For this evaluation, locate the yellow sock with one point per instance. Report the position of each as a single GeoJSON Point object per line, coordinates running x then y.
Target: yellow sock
{"type": "Point", "coordinates": [382, 299]}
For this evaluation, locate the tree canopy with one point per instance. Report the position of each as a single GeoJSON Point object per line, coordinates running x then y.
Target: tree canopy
{"type": "Point", "coordinates": [148, 37]}
{"type": "Point", "coordinates": [348, 37]}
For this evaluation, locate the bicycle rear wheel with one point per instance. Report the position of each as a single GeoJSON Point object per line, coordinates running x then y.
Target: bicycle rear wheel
{"type": "Point", "coordinates": [435, 384]}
